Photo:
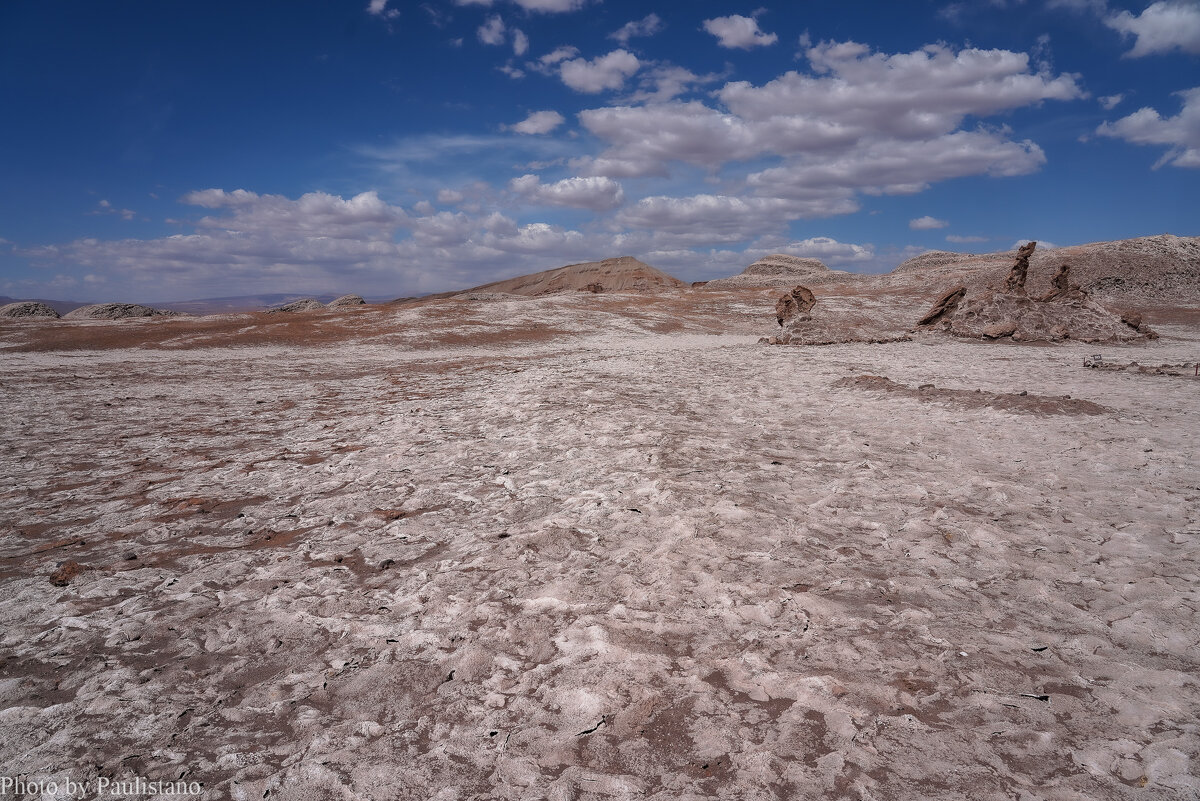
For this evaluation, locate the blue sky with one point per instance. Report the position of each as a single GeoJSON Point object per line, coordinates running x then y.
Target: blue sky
{"type": "Point", "coordinates": [156, 151]}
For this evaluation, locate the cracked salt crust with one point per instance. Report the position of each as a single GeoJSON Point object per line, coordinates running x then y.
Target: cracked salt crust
{"type": "Point", "coordinates": [391, 568]}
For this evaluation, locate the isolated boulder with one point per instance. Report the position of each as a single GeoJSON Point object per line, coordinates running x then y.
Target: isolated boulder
{"type": "Point", "coordinates": [799, 301]}
{"type": "Point", "coordinates": [307, 304]}
{"type": "Point", "coordinates": [28, 309]}
{"type": "Point", "coordinates": [116, 311]}
{"type": "Point", "coordinates": [346, 300]}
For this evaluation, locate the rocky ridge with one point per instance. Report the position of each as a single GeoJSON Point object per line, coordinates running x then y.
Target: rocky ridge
{"type": "Point", "coordinates": [116, 311]}
{"type": "Point", "coordinates": [28, 309]}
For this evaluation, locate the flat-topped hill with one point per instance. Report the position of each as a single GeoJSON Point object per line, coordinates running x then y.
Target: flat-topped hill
{"type": "Point", "coordinates": [776, 270]}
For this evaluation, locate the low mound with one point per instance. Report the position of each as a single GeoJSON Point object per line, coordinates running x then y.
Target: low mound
{"type": "Point", "coordinates": [346, 300]}
{"type": "Point", "coordinates": [624, 274]}
{"type": "Point", "coordinates": [776, 270]}
{"type": "Point", "coordinates": [116, 311]}
{"type": "Point", "coordinates": [28, 309]}
{"type": "Point", "coordinates": [307, 304]}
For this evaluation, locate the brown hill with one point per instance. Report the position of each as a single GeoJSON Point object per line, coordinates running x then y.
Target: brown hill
{"type": "Point", "coordinates": [623, 274]}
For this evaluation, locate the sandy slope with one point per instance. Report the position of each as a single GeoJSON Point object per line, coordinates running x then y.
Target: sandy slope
{"type": "Point", "coordinates": [409, 558]}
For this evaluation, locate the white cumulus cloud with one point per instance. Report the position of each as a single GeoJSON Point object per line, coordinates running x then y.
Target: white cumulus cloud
{"type": "Point", "coordinates": [1162, 27]}
{"type": "Point", "coordinates": [539, 122]}
{"type": "Point", "coordinates": [648, 26]}
{"type": "Point", "coordinates": [520, 42]}
{"type": "Point", "coordinates": [1180, 133]}
{"type": "Point", "coordinates": [379, 8]}
{"type": "Point", "coordinates": [927, 223]}
{"type": "Point", "coordinates": [604, 72]}
{"type": "Point", "coordinates": [595, 193]}
{"type": "Point", "coordinates": [491, 32]}
{"type": "Point", "coordinates": [736, 31]}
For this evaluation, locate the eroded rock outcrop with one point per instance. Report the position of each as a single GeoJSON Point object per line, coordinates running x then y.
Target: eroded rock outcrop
{"type": "Point", "coordinates": [1020, 269]}
{"type": "Point", "coordinates": [805, 322]}
{"type": "Point", "coordinates": [1065, 312]}
{"type": "Point", "coordinates": [28, 309]}
{"type": "Point", "coordinates": [347, 301]}
{"type": "Point", "coordinates": [116, 311]}
{"type": "Point", "coordinates": [944, 305]}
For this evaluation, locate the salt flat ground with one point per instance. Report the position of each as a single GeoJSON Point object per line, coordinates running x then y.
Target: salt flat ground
{"type": "Point", "coordinates": [628, 558]}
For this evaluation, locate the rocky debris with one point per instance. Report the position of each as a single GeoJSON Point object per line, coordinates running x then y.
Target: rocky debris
{"type": "Point", "coordinates": [306, 304]}
{"type": "Point", "coordinates": [346, 300]}
{"type": "Point", "coordinates": [944, 305]}
{"type": "Point", "coordinates": [116, 311]}
{"type": "Point", "coordinates": [1181, 370]}
{"type": "Point", "coordinates": [1021, 402]}
{"type": "Point", "coordinates": [66, 572]}
{"type": "Point", "coordinates": [797, 302]}
{"type": "Point", "coordinates": [776, 270]}
{"type": "Point", "coordinates": [1020, 269]}
{"type": "Point", "coordinates": [27, 309]}
{"type": "Point", "coordinates": [623, 274]}
{"type": "Point", "coordinates": [1066, 312]}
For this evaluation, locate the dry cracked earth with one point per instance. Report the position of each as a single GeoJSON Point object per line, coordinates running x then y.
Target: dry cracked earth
{"type": "Point", "coordinates": [593, 548]}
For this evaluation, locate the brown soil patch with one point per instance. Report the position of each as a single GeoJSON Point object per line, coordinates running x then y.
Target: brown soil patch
{"type": "Point", "coordinates": [1022, 402]}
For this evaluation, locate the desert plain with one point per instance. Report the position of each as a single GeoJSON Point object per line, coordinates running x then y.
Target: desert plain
{"type": "Point", "coordinates": [602, 544]}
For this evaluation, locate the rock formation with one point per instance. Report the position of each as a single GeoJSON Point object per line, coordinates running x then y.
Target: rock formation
{"type": "Point", "coordinates": [116, 311]}
{"type": "Point", "coordinates": [306, 304]}
{"type": "Point", "coordinates": [28, 309]}
{"type": "Point", "coordinates": [944, 305]}
{"type": "Point", "coordinates": [346, 300]}
{"type": "Point", "coordinates": [1020, 269]}
{"type": "Point", "coordinates": [1066, 312]}
{"type": "Point", "coordinates": [777, 270]}
{"type": "Point", "coordinates": [799, 301]}
{"type": "Point", "coordinates": [803, 324]}
{"type": "Point", "coordinates": [1141, 272]}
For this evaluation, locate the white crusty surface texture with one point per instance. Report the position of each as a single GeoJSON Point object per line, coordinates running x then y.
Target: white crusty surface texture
{"type": "Point", "coordinates": [632, 559]}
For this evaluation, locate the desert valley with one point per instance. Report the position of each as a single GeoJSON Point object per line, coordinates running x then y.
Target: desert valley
{"type": "Point", "coordinates": [596, 533]}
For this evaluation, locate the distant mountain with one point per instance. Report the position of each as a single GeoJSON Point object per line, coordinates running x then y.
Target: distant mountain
{"type": "Point", "coordinates": [622, 274]}
{"type": "Point", "coordinates": [238, 303]}
{"type": "Point", "coordinates": [200, 306]}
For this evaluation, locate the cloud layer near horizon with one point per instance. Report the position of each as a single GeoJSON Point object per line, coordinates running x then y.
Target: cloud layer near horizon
{"type": "Point", "coordinates": [691, 170]}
